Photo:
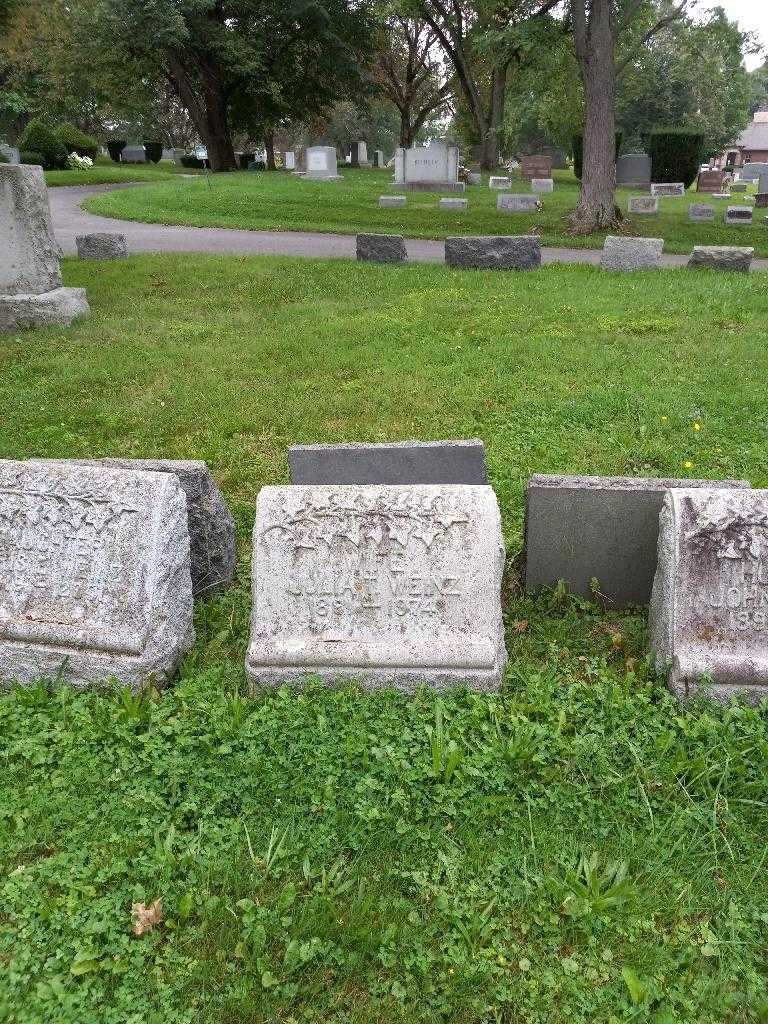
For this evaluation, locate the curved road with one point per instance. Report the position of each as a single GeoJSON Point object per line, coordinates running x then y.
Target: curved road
{"type": "Point", "coordinates": [69, 220]}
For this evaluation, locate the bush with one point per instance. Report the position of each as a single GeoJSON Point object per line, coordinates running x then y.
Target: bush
{"type": "Point", "coordinates": [675, 154]}
{"type": "Point", "coordinates": [257, 165]}
{"type": "Point", "coordinates": [4, 159]}
{"type": "Point", "coordinates": [28, 156]}
{"type": "Point", "coordinates": [41, 140]}
{"type": "Point", "coordinates": [115, 147]}
{"type": "Point", "coordinates": [190, 160]}
{"type": "Point", "coordinates": [154, 151]}
{"type": "Point", "coordinates": [578, 151]}
{"type": "Point", "coordinates": [78, 142]}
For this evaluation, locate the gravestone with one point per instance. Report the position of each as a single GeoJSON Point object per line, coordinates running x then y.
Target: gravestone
{"type": "Point", "coordinates": [623, 253]}
{"type": "Point", "coordinates": [710, 181]}
{"type": "Point", "coordinates": [101, 245]}
{"type": "Point", "coordinates": [634, 170]}
{"type": "Point", "coordinates": [95, 578]}
{"type": "Point", "coordinates": [542, 185]}
{"type": "Point", "coordinates": [709, 611]}
{"type": "Point", "coordinates": [392, 202]}
{"type": "Point", "coordinates": [385, 585]}
{"type": "Point", "coordinates": [645, 205]}
{"type": "Point", "coordinates": [11, 152]}
{"type": "Point", "coordinates": [474, 178]}
{"type": "Point", "coordinates": [497, 181]}
{"type": "Point", "coordinates": [536, 166]}
{"type": "Point", "coordinates": [761, 200]}
{"type": "Point", "coordinates": [752, 171]}
{"type": "Point", "coordinates": [378, 158]}
{"type": "Point", "coordinates": [739, 186]}
{"type": "Point", "coordinates": [668, 188]}
{"type": "Point", "coordinates": [381, 248]}
{"type": "Point", "coordinates": [133, 155]}
{"type": "Point", "coordinates": [511, 203]}
{"type": "Point", "coordinates": [494, 252]}
{"type": "Point", "coordinates": [31, 292]}
{"type": "Point", "coordinates": [738, 215]}
{"type": "Point", "coordinates": [432, 168]}
{"type": "Point", "coordinates": [289, 160]}
{"type": "Point", "coordinates": [394, 462]}
{"type": "Point", "coordinates": [321, 163]}
{"type": "Point", "coordinates": [455, 205]}
{"type": "Point", "coordinates": [701, 212]}
{"type": "Point", "coordinates": [580, 528]}
{"type": "Point", "coordinates": [721, 257]}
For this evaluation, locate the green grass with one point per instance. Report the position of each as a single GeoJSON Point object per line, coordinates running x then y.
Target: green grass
{"type": "Point", "coordinates": [282, 202]}
{"type": "Point", "coordinates": [598, 851]}
{"type": "Point", "coordinates": [105, 172]}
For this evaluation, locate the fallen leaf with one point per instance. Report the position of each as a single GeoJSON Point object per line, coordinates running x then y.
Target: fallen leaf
{"type": "Point", "coordinates": [521, 626]}
{"type": "Point", "coordinates": [146, 917]}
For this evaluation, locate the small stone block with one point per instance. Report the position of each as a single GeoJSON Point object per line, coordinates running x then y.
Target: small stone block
{"type": "Point", "coordinates": [387, 586]}
{"type": "Point", "coordinates": [453, 204]}
{"type": "Point", "coordinates": [57, 308]}
{"type": "Point", "coordinates": [101, 246]}
{"type": "Point", "coordinates": [511, 203]}
{"type": "Point", "coordinates": [623, 253]}
{"type": "Point", "coordinates": [542, 184]}
{"type": "Point", "coordinates": [701, 212]}
{"type": "Point", "coordinates": [494, 252]}
{"type": "Point", "coordinates": [580, 528]}
{"type": "Point", "coordinates": [721, 257]}
{"type": "Point", "coordinates": [496, 181]}
{"type": "Point", "coordinates": [647, 205]}
{"type": "Point", "coordinates": [739, 186]}
{"type": "Point", "coordinates": [709, 611]}
{"type": "Point", "coordinates": [474, 178]}
{"type": "Point", "coordinates": [395, 462]}
{"type": "Point", "coordinates": [739, 215]}
{"type": "Point", "coordinates": [668, 188]}
{"type": "Point", "coordinates": [95, 582]}
{"type": "Point", "coordinates": [381, 248]}
{"type": "Point", "coordinates": [393, 202]}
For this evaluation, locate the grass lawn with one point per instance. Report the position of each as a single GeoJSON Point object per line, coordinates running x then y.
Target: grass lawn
{"type": "Point", "coordinates": [580, 848]}
{"type": "Point", "coordinates": [105, 172]}
{"type": "Point", "coordinates": [282, 202]}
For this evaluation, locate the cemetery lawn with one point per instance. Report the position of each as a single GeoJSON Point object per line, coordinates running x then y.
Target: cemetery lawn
{"type": "Point", "coordinates": [578, 848]}
{"type": "Point", "coordinates": [105, 172]}
{"type": "Point", "coordinates": [282, 202]}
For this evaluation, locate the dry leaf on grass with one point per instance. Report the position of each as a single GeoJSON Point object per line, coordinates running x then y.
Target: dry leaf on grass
{"type": "Point", "coordinates": [146, 917]}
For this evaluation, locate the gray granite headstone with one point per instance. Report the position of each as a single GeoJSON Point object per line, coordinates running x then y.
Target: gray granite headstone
{"type": "Point", "coordinates": [456, 205]}
{"type": "Point", "coordinates": [524, 203]}
{"type": "Point", "coordinates": [668, 188]}
{"type": "Point", "coordinates": [739, 215]}
{"type": "Point", "coordinates": [133, 155]}
{"type": "Point", "coordinates": [633, 169]}
{"type": "Point", "coordinates": [101, 245]}
{"type": "Point", "coordinates": [381, 248]}
{"type": "Point", "coordinates": [701, 212]}
{"type": "Point", "coordinates": [709, 611]}
{"type": "Point", "coordinates": [386, 586]}
{"type": "Point", "coordinates": [752, 171]}
{"type": "Point", "coordinates": [646, 205]}
{"type": "Point", "coordinates": [623, 253]}
{"type": "Point", "coordinates": [494, 252]}
{"type": "Point", "coordinates": [392, 202]}
{"type": "Point", "coordinates": [474, 178]}
{"type": "Point", "coordinates": [10, 152]}
{"type": "Point", "coordinates": [395, 462]}
{"type": "Point", "coordinates": [721, 257]}
{"type": "Point", "coordinates": [579, 528]}
{"type": "Point", "coordinates": [497, 181]}
{"type": "Point", "coordinates": [95, 581]}
{"type": "Point", "coordinates": [542, 184]}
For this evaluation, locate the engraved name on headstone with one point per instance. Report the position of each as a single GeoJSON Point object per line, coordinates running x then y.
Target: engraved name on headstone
{"type": "Point", "coordinates": [643, 204]}
{"type": "Point", "coordinates": [668, 188]}
{"type": "Point", "coordinates": [710, 181]}
{"type": "Point", "coordinates": [390, 586]}
{"type": "Point", "coordinates": [536, 166]}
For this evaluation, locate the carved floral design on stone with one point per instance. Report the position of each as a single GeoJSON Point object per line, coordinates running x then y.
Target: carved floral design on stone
{"type": "Point", "coordinates": [724, 529]}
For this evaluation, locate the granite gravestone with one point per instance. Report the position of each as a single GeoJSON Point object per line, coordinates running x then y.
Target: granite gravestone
{"type": "Point", "coordinates": [101, 245]}
{"type": "Point", "coordinates": [378, 158]}
{"type": "Point", "coordinates": [498, 181]}
{"type": "Point", "coordinates": [634, 170]}
{"type": "Point", "coordinates": [11, 153]}
{"type": "Point", "coordinates": [380, 248]}
{"type": "Point", "coordinates": [701, 212]}
{"type": "Point", "coordinates": [432, 168]}
{"type": "Point", "coordinates": [389, 586]}
{"type": "Point", "coordinates": [454, 205]}
{"type": "Point", "coordinates": [623, 253]}
{"type": "Point", "coordinates": [321, 163]}
{"type": "Point", "coordinates": [289, 160]}
{"type": "Point", "coordinates": [710, 181]}
{"type": "Point", "coordinates": [542, 185]}
{"type": "Point", "coordinates": [645, 205]}
{"type": "Point", "coordinates": [668, 188]}
{"type": "Point", "coordinates": [536, 166]}
{"type": "Point", "coordinates": [474, 178]}
{"type": "Point", "coordinates": [752, 171]}
{"type": "Point", "coordinates": [582, 528]}
{"type": "Point", "coordinates": [494, 252]}
{"type": "Point", "coordinates": [392, 202]}
{"type": "Point", "coordinates": [31, 292]}
{"type": "Point", "coordinates": [95, 576]}
{"type": "Point", "coordinates": [394, 462]}
{"type": "Point", "coordinates": [525, 203]}
{"type": "Point", "coordinates": [721, 257]}
{"type": "Point", "coordinates": [709, 612]}
{"type": "Point", "coordinates": [740, 216]}
{"type": "Point", "coordinates": [739, 186]}
{"type": "Point", "coordinates": [133, 155]}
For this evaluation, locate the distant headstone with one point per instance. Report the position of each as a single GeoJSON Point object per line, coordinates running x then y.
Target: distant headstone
{"type": "Point", "coordinates": [645, 205]}
{"type": "Point", "coordinates": [633, 170]}
{"type": "Point", "coordinates": [580, 528]}
{"type": "Point", "coordinates": [701, 212]}
{"type": "Point", "coordinates": [133, 155]}
{"type": "Point", "coordinates": [709, 611]}
{"type": "Point", "coordinates": [10, 152]}
{"type": "Point", "coordinates": [542, 185]}
{"type": "Point", "coordinates": [624, 253]}
{"type": "Point", "coordinates": [394, 462]}
{"type": "Point", "coordinates": [536, 166]}
{"type": "Point", "coordinates": [738, 215]}
{"type": "Point", "coordinates": [381, 249]}
{"type": "Point", "coordinates": [721, 257]}
{"type": "Point", "coordinates": [31, 292]}
{"type": "Point", "coordinates": [761, 200]}
{"type": "Point", "coordinates": [668, 188]}
{"type": "Point", "coordinates": [525, 203]}
{"type": "Point", "coordinates": [95, 582]}
{"type": "Point", "coordinates": [321, 163]}
{"type": "Point", "coordinates": [289, 160]}
{"type": "Point", "coordinates": [762, 183]}
{"type": "Point", "coordinates": [362, 154]}
{"type": "Point", "coordinates": [752, 171]}
{"type": "Point", "coordinates": [494, 252]}
{"type": "Point", "coordinates": [392, 202]}
{"type": "Point", "coordinates": [387, 586]}
{"type": "Point", "coordinates": [433, 168]}
{"type": "Point", "coordinates": [474, 178]}
{"type": "Point", "coordinates": [497, 181]}
{"type": "Point", "coordinates": [710, 181]}
{"type": "Point", "coordinates": [739, 186]}
{"type": "Point", "coordinates": [101, 245]}
{"type": "Point", "coordinates": [455, 205]}
{"type": "Point", "coordinates": [378, 158]}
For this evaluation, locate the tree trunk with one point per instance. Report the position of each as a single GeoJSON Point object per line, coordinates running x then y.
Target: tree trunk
{"type": "Point", "coordinates": [406, 129]}
{"type": "Point", "coordinates": [269, 146]}
{"type": "Point", "coordinates": [596, 209]}
{"type": "Point", "coordinates": [208, 111]}
{"type": "Point", "coordinates": [489, 159]}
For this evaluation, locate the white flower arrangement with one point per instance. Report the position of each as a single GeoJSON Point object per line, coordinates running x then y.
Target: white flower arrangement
{"type": "Point", "coordinates": [80, 163]}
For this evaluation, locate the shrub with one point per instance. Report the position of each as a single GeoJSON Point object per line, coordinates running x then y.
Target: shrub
{"type": "Point", "coordinates": [154, 151]}
{"type": "Point", "coordinates": [675, 154]}
{"type": "Point", "coordinates": [80, 163]}
{"type": "Point", "coordinates": [41, 140]}
{"type": "Point", "coordinates": [257, 165]}
{"type": "Point", "coordinates": [28, 156]}
{"type": "Point", "coordinates": [578, 151]}
{"type": "Point", "coordinates": [4, 159]}
{"type": "Point", "coordinates": [190, 160]}
{"type": "Point", "coordinates": [78, 142]}
{"type": "Point", "coordinates": [115, 147]}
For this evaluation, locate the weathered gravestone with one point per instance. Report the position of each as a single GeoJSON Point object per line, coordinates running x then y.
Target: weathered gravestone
{"type": "Point", "coordinates": [362, 155]}
{"type": "Point", "coordinates": [31, 292]}
{"type": "Point", "coordinates": [456, 205]}
{"type": "Point", "coordinates": [390, 586]}
{"type": "Point", "coordinates": [380, 248]}
{"type": "Point", "coordinates": [752, 171]}
{"type": "Point", "coordinates": [721, 257]}
{"type": "Point", "coordinates": [510, 203]}
{"type": "Point", "coordinates": [392, 202]}
{"type": "Point", "coordinates": [739, 186]}
{"type": "Point", "coordinates": [668, 188]}
{"type": "Point", "coordinates": [494, 252]}
{"type": "Point", "coordinates": [623, 253]}
{"type": "Point", "coordinates": [378, 158]}
{"type": "Point", "coordinates": [646, 205]}
{"type": "Point", "coordinates": [761, 200]}
{"type": "Point", "coordinates": [701, 212]}
{"type": "Point", "coordinates": [133, 155]}
{"type": "Point", "coordinates": [474, 178]}
{"type": "Point", "coordinates": [393, 462]}
{"type": "Point", "coordinates": [580, 528]}
{"type": "Point", "coordinates": [101, 245]}
{"type": "Point", "coordinates": [709, 612]}
{"type": "Point", "coordinates": [536, 166]}
{"type": "Point", "coordinates": [289, 160]}
{"type": "Point", "coordinates": [95, 581]}
{"type": "Point", "coordinates": [738, 215]}
{"type": "Point", "coordinates": [542, 185]}
{"type": "Point", "coordinates": [321, 163]}
{"type": "Point", "coordinates": [10, 152]}
{"type": "Point", "coordinates": [710, 181]}
{"type": "Point", "coordinates": [634, 169]}
{"type": "Point", "coordinates": [497, 181]}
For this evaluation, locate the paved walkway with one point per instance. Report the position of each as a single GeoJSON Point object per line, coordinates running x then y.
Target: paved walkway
{"type": "Point", "coordinates": [70, 220]}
